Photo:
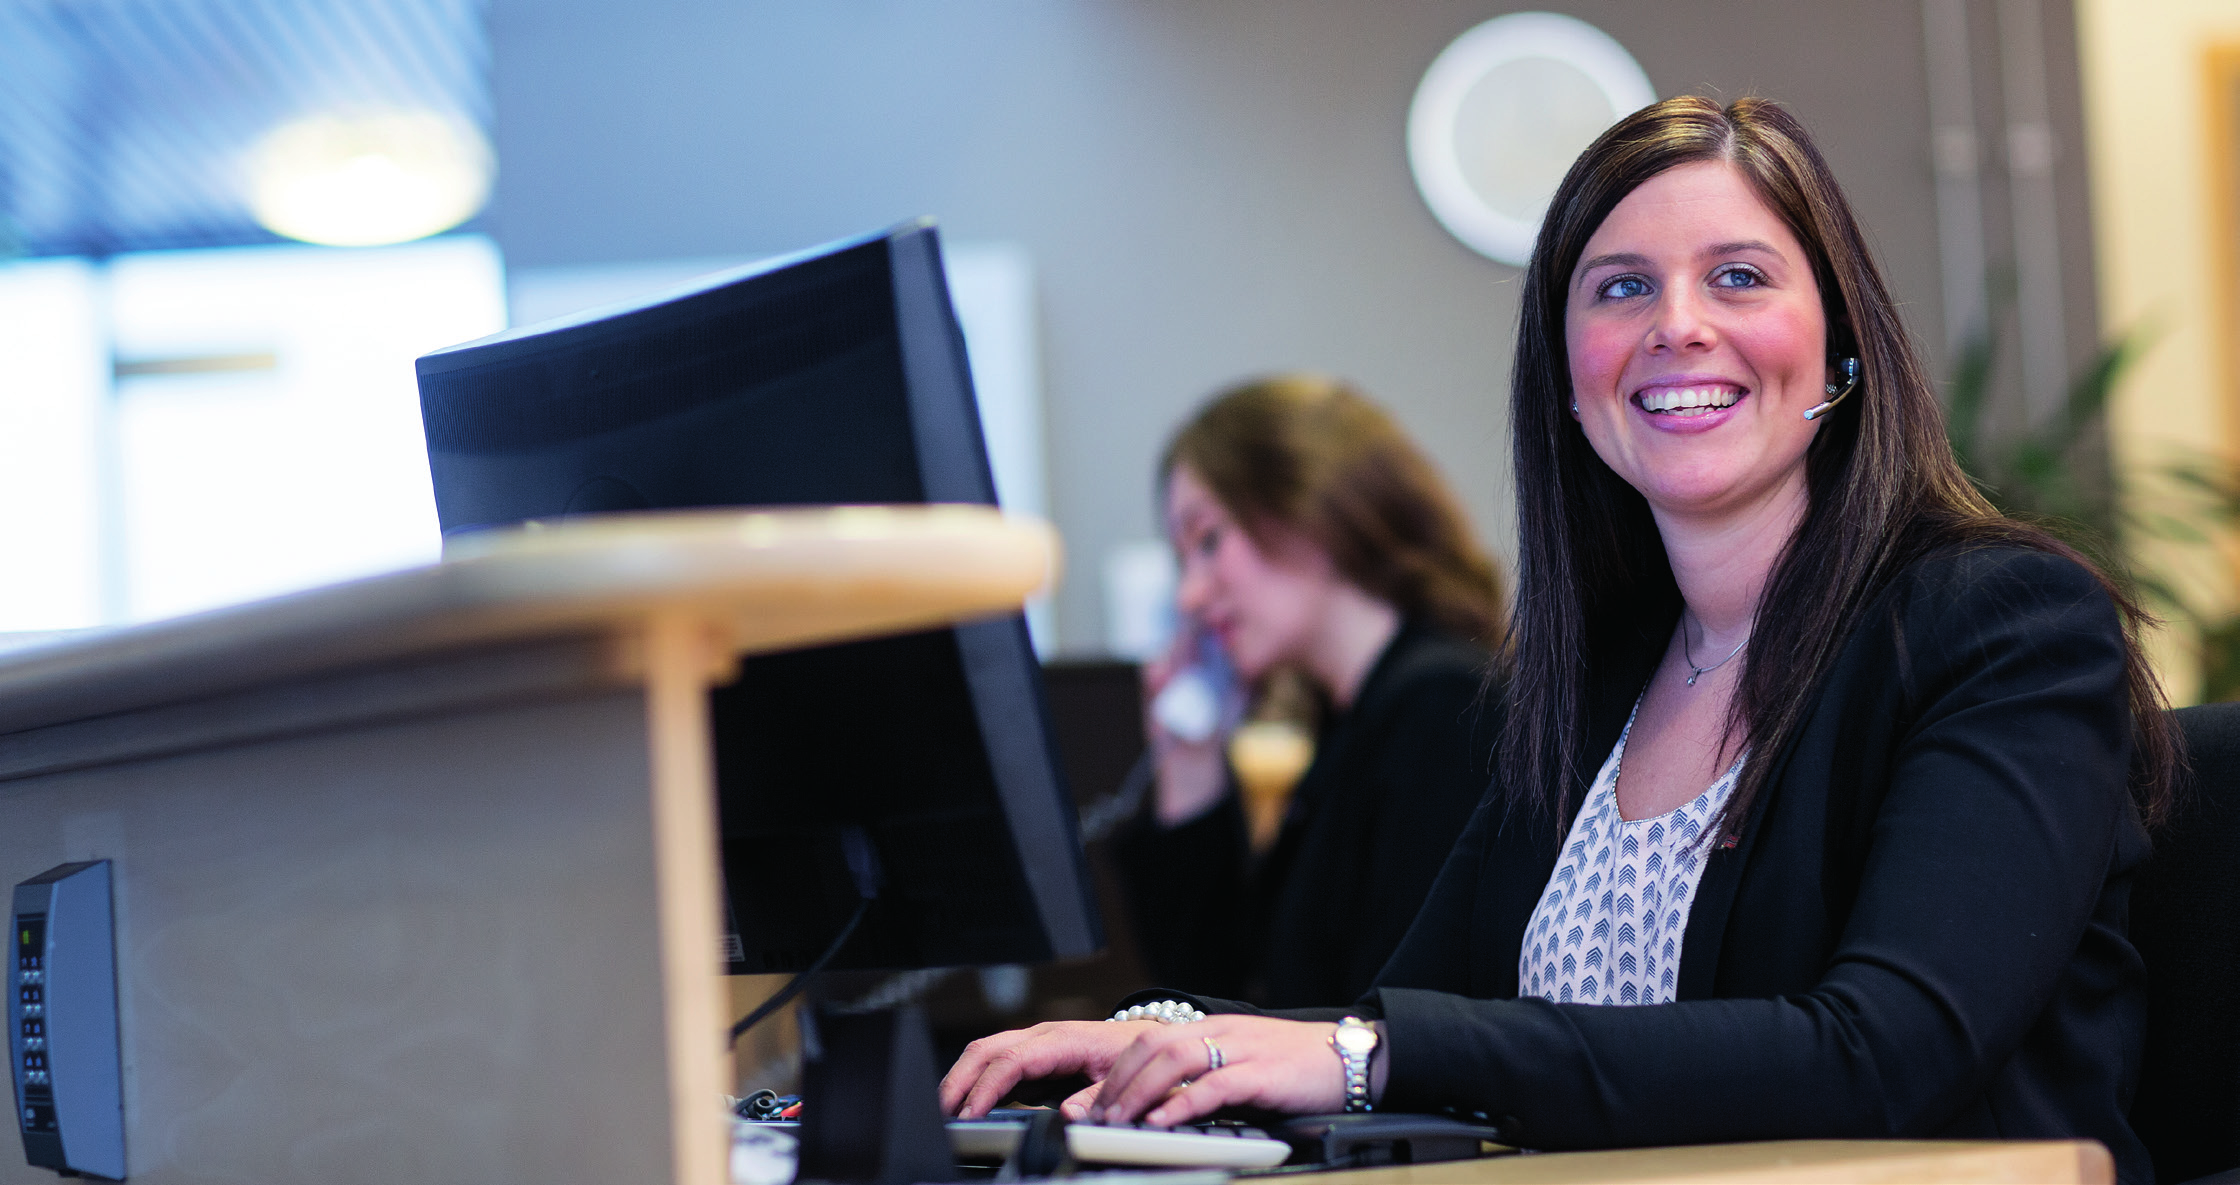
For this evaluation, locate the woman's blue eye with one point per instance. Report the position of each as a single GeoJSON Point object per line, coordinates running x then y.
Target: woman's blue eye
{"type": "Point", "coordinates": [1738, 277]}
{"type": "Point", "coordinates": [1623, 288]}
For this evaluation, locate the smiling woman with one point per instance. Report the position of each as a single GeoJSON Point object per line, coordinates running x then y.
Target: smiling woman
{"type": "Point", "coordinates": [1807, 751]}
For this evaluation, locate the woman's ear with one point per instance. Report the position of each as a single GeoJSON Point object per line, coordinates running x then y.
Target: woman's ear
{"type": "Point", "coordinates": [1843, 341]}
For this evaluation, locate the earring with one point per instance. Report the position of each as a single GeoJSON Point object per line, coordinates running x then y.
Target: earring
{"type": "Point", "coordinates": [1836, 396]}
{"type": "Point", "coordinates": [1574, 407]}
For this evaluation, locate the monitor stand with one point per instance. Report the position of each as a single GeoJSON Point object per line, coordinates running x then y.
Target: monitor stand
{"type": "Point", "coordinates": [870, 1112]}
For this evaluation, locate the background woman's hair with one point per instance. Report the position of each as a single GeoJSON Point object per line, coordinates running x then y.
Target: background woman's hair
{"type": "Point", "coordinates": [1883, 484]}
{"type": "Point", "coordinates": [1312, 454]}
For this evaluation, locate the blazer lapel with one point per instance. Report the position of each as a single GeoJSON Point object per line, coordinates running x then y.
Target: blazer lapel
{"type": "Point", "coordinates": [1706, 934]}
{"type": "Point", "coordinates": [1707, 916]}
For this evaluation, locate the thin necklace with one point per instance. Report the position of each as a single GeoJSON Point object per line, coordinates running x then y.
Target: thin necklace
{"type": "Point", "coordinates": [1700, 672]}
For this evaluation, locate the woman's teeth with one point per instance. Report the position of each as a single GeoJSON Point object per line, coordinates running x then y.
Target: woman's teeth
{"type": "Point", "coordinates": [1689, 401]}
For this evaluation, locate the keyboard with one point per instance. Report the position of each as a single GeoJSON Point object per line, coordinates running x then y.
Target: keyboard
{"type": "Point", "coordinates": [1334, 1141]}
{"type": "Point", "coordinates": [1212, 1145]}
{"type": "Point", "coordinates": [1204, 1145]}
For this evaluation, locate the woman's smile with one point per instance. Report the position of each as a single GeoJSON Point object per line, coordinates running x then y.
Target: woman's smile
{"type": "Point", "coordinates": [1688, 403]}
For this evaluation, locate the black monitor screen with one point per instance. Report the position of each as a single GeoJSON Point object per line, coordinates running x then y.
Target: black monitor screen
{"type": "Point", "coordinates": [836, 376]}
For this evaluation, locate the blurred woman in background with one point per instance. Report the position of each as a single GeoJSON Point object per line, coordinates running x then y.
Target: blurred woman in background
{"type": "Point", "coordinates": [1313, 538]}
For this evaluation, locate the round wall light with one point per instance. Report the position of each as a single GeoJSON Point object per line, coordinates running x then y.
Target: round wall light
{"type": "Point", "coordinates": [359, 182]}
{"type": "Point", "coordinates": [1502, 113]}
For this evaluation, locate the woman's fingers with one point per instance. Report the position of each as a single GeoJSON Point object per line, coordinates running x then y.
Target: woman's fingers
{"type": "Point", "coordinates": [1181, 651]}
{"type": "Point", "coordinates": [1076, 1107]}
{"type": "Point", "coordinates": [1121, 1073]}
{"type": "Point", "coordinates": [1156, 671]}
{"type": "Point", "coordinates": [991, 1067]}
{"type": "Point", "coordinates": [1004, 1071]}
{"type": "Point", "coordinates": [976, 1057]}
{"type": "Point", "coordinates": [987, 1070]}
{"type": "Point", "coordinates": [1155, 1064]}
{"type": "Point", "coordinates": [1233, 1085]}
{"type": "Point", "coordinates": [1281, 1065]}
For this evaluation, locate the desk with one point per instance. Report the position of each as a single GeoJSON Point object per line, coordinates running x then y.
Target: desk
{"type": "Point", "coordinates": [1801, 1162]}
{"type": "Point", "coordinates": [416, 876]}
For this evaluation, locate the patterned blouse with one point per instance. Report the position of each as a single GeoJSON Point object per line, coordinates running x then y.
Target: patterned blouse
{"type": "Point", "coordinates": [1608, 927]}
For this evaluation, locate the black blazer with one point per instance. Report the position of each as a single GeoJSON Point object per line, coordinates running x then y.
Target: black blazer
{"type": "Point", "coordinates": [1921, 932]}
{"type": "Point", "coordinates": [1393, 782]}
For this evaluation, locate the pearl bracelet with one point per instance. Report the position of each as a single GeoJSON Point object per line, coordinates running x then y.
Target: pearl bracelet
{"type": "Point", "coordinates": [1166, 1012]}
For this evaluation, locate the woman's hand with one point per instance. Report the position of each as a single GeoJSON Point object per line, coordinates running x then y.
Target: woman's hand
{"type": "Point", "coordinates": [993, 1066]}
{"type": "Point", "coordinates": [1164, 1076]}
{"type": "Point", "coordinates": [1192, 775]}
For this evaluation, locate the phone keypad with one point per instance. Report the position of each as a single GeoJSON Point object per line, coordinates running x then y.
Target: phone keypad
{"type": "Point", "coordinates": [34, 1074]}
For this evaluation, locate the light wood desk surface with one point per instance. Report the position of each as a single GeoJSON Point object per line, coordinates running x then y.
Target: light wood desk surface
{"type": "Point", "coordinates": [1817, 1162]}
{"type": "Point", "coordinates": [762, 580]}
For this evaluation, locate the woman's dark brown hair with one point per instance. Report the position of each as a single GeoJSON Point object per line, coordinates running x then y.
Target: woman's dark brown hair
{"type": "Point", "coordinates": [1883, 484]}
{"type": "Point", "coordinates": [1310, 454]}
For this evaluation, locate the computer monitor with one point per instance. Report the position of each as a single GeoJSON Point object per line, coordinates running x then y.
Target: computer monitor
{"type": "Point", "coordinates": [834, 376]}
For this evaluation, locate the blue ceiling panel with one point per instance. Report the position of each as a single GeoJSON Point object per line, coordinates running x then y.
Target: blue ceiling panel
{"type": "Point", "coordinates": [128, 124]}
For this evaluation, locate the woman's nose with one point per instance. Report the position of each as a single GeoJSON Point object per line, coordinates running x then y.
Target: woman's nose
{"type": "Point", "coordinates": [1680, 323]}
{"type": "Point", "coordinates": [1192, 587]}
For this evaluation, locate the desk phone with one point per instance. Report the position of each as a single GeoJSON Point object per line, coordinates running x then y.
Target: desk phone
{"type": "Point", "coordinates": [62, 1022]}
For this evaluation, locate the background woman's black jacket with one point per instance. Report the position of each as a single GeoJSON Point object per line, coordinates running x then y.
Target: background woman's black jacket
{"type": "Point", "coordinates": [1922, 931]}
{"type": "Point", "coordinates": [1394, 781]}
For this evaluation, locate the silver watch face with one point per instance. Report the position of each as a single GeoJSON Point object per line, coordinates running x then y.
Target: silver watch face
{"type": "Point", "coordinates": [1356, 1038]}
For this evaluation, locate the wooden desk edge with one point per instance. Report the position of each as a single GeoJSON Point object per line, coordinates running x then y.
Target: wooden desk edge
{"type": "Point", "coordinates": [1808, 1162]}
{"type": "Point", "coordinates": [772, 579]}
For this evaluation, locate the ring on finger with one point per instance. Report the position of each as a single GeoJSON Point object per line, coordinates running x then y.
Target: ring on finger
{"type": "Point", "coordinates": [1214, 1060]}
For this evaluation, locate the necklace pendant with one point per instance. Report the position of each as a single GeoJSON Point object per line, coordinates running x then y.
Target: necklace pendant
{"type": "Point", "coordinates": [1692, 679]}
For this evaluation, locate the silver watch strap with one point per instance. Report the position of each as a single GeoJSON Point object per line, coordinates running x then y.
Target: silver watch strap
{"type": "Point", "coordinates": [1355, 1063]}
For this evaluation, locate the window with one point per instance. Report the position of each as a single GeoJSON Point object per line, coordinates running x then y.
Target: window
{"type": "Point", "coordinates": [181, 430]}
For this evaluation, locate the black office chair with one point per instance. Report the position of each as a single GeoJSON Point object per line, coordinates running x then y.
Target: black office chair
{"type": "Point", "coordinates": [2185, 920]}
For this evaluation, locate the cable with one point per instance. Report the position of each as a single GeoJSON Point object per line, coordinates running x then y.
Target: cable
{"type": "Point", "coordinates": [1104, 816]}
{"type": "Point", "coordinates": [1098, 821]}
{"type": "Point", "coordinates": [793, 986]}
{"type": "Point", "coordinates": [902, 987]}
{"type": "Point", "coordinates": [863, 868]}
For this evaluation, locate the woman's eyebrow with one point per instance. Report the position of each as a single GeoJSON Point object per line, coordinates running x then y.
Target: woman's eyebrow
{"type": "Point", "coordinates": [1736, 248]}
{"type": "Point", "coordinates": [1619, 259]}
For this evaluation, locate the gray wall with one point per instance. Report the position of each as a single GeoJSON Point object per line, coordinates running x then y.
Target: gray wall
{"type": "Point", "coordinates": [1210, 189]}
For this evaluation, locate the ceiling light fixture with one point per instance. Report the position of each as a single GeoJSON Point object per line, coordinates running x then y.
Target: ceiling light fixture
{"type": "Point", "coordinates": [369, 180]}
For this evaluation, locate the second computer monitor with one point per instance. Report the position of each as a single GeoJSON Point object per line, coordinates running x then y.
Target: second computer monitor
{"type": "Point", "coordinates": [835, 376]}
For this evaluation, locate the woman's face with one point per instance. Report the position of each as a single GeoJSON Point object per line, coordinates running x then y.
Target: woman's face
{"type": "Point", "coordinates": [1697, 341]}
{"type": "Point", "coordinates": [1264, 605]}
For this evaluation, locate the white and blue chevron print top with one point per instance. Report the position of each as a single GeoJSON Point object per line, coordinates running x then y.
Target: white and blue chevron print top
{"type": "Point", "coordinates": [1609, 925]}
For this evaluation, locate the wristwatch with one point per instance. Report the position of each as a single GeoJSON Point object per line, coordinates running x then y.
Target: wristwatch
{"type": "Point", "coordinates": [1355, 1041]}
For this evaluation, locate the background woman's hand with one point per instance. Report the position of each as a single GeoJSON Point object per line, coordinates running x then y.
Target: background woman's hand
{"type": "Point", "coordinates": [1276, 1065]}
{"type": "Point", "coordinates": [993, 1066]}
{"type": "Point", "coordinates": [1192, 775]}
